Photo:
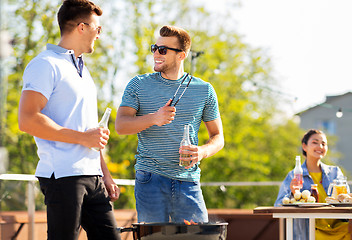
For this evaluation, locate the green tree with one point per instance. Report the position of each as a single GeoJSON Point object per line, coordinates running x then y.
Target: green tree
{"type": "Point", "coordinates": [256, 149]}
{"type": "Point", "coordinates": [33, 24]}
{"type": "Point", "coordinates": [33, 27]}
{"type": "Point", "coordinates": [260, 144]}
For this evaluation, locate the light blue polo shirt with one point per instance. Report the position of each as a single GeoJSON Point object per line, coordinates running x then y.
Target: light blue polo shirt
{"type": "Point", "coordinates": [158, 146]}
{"type": "Point", "coordinates": [72, 103]}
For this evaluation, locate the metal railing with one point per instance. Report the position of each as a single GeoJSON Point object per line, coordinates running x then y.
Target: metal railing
{"type": "Point", "coordinates": [31, 179]}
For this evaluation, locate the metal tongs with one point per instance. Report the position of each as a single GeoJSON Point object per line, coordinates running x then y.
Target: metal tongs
{"type": "Point", "coordinates": [184, 90]}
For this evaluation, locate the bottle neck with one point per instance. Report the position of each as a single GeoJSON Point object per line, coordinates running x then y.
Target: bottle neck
{"type": "Point", "coordinates": [298, 169]}
{"type": "Point", "coordinates": [186, 132]}
{"type": "Point", "coordinates": [105, 119]}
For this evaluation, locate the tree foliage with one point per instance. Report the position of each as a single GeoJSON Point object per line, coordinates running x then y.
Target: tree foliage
{"type": "Point", "coordinates": [260, 143]}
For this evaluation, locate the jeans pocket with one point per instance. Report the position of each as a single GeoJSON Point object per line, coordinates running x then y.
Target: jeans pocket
{"type": "Point", "coordinates": [143, 176]}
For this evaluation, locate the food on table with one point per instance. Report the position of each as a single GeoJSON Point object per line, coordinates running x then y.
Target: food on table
{"type": "Point", "coordinates": [286, 200]}
{"type": "Point", "coordinates": [305, 194]}
{"type": "Point", "coordinates": [297, 195]}
{"type": "Point", "coordinates": [331, 200]}
{"type": "Point", "coordinates": [311, 199]}
{"type": "Point", "coordinates": [344, 198]}
{"type": "Point", "coordinates": [341, 198]}
{"type": "Point", "coordinates": [299, 198]}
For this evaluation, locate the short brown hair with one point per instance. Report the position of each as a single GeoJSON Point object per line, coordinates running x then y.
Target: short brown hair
{"type": "Point", "coordinates": [307, 136]}
{"type": "Point", "coordinates": [73, 10]}
{"type": "Point", "coordinates": [183, 37]}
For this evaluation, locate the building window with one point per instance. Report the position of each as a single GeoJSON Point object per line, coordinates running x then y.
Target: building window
{"type": "Point", "coordinates": [327, 126]}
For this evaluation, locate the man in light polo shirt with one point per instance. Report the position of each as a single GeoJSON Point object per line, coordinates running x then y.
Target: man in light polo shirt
{"type": "Point", "coordinates": [58, 106]}
{"type": "Point", "coordinates": [164, 190]}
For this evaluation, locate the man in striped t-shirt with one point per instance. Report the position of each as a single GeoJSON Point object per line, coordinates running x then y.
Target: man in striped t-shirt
{"type": "Point", "coordinates": [164, 190]}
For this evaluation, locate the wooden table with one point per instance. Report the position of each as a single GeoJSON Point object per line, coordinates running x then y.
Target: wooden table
{"type": "Point", "coordinates": [312, 213]}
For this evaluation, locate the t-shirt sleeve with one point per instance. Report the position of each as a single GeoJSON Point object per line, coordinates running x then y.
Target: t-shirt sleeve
{"type": "Point", "coordinates": [211, 110]}
{"type": "Point", "coordinates": [39, 76]}
{"type": "Point", "coordinates": [130, 95]}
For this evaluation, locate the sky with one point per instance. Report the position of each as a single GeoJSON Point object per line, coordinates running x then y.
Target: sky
{"type": "Point", "coordinates": [309, 42]}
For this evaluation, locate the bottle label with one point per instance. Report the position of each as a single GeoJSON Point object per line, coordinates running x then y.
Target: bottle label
{"type": "Point", "coordinates": [184, 163]}
{"type": "Point", "coordinates": [299, 178]}
{"type": "Point", "coordinates": [314, 193]}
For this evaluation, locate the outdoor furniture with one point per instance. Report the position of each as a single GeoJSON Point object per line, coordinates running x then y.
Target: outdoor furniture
{"type": "Point", "coordinates": [312, 213]}
{"type": "Point", "coordinates": [11, 223]}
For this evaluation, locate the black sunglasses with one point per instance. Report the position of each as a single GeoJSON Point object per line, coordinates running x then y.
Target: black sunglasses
{"type": "Point", "coordinates": [162, 49]}
{"type": "Point", "coordinates": [99, 28]}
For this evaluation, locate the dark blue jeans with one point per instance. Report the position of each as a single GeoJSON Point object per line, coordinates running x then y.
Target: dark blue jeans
{"type": "Point", "coordinates": [78, 201]}
{"type": "Point", "coordinates": [160, 199]}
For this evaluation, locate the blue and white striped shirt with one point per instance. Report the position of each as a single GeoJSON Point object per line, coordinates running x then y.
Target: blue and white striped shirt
{"type": "Point", "coordinates": [158, 146]}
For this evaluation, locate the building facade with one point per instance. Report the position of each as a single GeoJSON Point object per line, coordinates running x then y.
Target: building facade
{"type": "Point", "coordinates": [334, 117]}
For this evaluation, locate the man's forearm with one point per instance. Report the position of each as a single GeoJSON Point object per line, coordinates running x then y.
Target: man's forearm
{"type": "Point", "coordinates": [104, 167]}
{"type": "Point", "coordinates": [127, 122]}
{"type": "Point", "coordinates": [127, 125]}
{"type": "Point", "coordinates": [32, 121]}
{"type": "Point", "coordinates": [213, 145]}
{"type": "Point", "coordinates": [41, 126]}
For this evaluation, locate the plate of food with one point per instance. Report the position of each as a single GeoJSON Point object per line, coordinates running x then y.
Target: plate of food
{"type": "Point", "coordinates": [290, 205]}
{"type": "Point", "coordinates": [342, 200]}
{"type": "Point", "coordinates": [305, 204]}
{"type": "Point", "coordinates": [300, 198]}
{"type": "Point", "coordinates": [341, 204]}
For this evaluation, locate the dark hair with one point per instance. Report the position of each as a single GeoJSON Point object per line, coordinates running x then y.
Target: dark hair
{"type": "Point", "coordinates": [183, 37]}
{"type": "Point", "coordinates": [73, 11]}
{"type": "Point", "coordinates": [307, 136]}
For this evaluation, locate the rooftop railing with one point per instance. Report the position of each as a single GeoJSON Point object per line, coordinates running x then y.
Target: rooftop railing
{"type": "Point", "coordinates": [31, 179]}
